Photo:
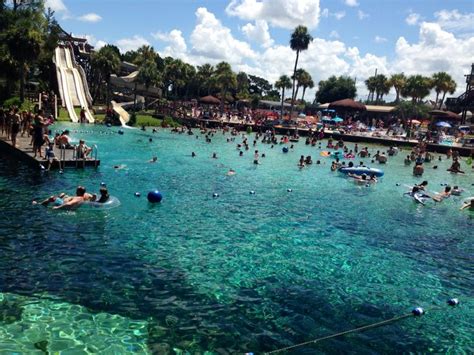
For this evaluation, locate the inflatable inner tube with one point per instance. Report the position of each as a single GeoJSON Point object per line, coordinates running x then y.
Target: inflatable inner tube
{"type": "Point", "coordinates": [325, 153]}
{"type": "Point", "coordinates": [112, 202]}
{"type": "Point", "coordinates": [359, 170]}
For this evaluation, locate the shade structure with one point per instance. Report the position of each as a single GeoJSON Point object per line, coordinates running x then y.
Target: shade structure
{"type": "Point", "coordinates": [210, 100]}
{"type": "Point", "coordinates": [347, 104]}
{"type": "Point", "coordinates": [443, 124]}
{"type": "Point", "coordinates": [337, 119]}
{"type": "Point", "coordinates": [445, 114]}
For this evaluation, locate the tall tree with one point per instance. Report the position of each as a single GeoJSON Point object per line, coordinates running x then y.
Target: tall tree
{"type": "Point", "coordinates": [336, 88]}
{"type": "Point", "coordinates": [417, 87]}
{"type": "Point", "coordinates": [226, 80]}
{"type": "Point", "coordinates": [306, 81]}
{"type": "Point", "coordinates": [382, 86]}
{"type": "Point", "coordinates": [205, 74]}
{"type": "Point", "coordinates": [300, 40]}
{"type": "Point", "coordinates": [398, 81]}
{"type": "Point", "coordinates": [242, 85]}
{"type": "Point", "coordinates": [104, 63]}
{"type": "Point", "coordinates": [284, 82]}
{"type": "Point", "coordinates": [443, 83]}
{"type": "Point", "coordinates": [145, 53]}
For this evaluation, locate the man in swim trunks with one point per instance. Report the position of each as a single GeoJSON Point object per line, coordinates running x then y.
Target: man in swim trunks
{"type": "Point", "coordinates": [75, 201]}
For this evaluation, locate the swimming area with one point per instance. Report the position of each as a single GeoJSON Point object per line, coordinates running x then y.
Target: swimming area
{"type": "Point", "coordinates": [237, 273]}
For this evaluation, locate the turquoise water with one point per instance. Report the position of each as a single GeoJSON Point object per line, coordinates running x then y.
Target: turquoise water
{"type": "Point", "coordinates": [241, 272]}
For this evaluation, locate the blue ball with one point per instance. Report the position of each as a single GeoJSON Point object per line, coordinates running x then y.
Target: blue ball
{"type": "Point", "coordinates": [137, 194]}
{"type": "Point", "coordinates": [215, 194]}
{"type": "Point", "coordinates": [108, 125]}
{"type": "Point", "coordinates": [154, 196]}
{"type": "Point", "coordinates": [285, 149]}
{"type": "Point", "coordinates": [120, 131]}
{"type": "Point", "coordinates": [252, 192]}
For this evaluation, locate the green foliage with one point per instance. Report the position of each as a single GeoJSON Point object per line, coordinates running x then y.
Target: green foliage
{"type": "Point", "coordinates": [169, 122]}
{"type": "Point", "coordinates": [336, 88]}
{"type": "Point", "coordinates": [133, 119]}
{"type": "Point", "coordinates": [410, 110]}
{"type": "Point", "coordinates": [417, 87]}
{"type": "Point", "coordinates": [443, 83]}
{"type": "Point", "coordinates": [12, 102]}
{"type": "Point", "coordinates": [378, 84]}
{"type": "Point", "coordinates": [258, 86]}
{"type": "Point", "coordinates": [148, 74]}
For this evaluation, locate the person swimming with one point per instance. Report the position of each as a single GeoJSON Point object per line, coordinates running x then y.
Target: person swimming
{"type": "Point", "coordinates": [231, 172]}
{"type": "Point", "coordinates": [104, 195]}
{"type": "Point", "coordinates": [153, 160]}
{"type": "Point", "coordinates": [468, 204]}
{"type": "Point", "coordinates": [443, 195]}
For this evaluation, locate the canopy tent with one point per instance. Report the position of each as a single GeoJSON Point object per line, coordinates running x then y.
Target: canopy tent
{"type": "Point", "coordinates": [210, 100]}
{"type": "Point", "coordinates": [444, 114]}
{"type": "Point", "coordinates": [347, 104]}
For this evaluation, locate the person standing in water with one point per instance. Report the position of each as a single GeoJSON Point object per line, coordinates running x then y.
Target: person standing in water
{"type": "Point", "coordinates": [255, 157]}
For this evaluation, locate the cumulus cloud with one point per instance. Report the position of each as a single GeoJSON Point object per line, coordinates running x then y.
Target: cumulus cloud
{"type": "Point", "coordinates": [379, 39]}
{"type": "Point", "coordinates": [279, 13]}
{"type": "Point", "coordinates": [334, 34]}
{"type": "Point", "coordinates": [128, 44]}
{"type": "Point", "coordinates": [412, 19]}
{"type": "Point", "coordinates": [362, 15]}
{"type": "Point", "coordinates": [212, 40]}
{"type": "Point", "coordinates": [258, 33]}
{"type": "Point", "coordinates": [436, 50]}
{"type": "Point", "coordinates": [90, 17]}
{"type": "Point", "coordinates": [177, 45]}
{"type": "Point", "coordinates": [98, 44]}
{"type": "Point", "coordinates": [352, 3]}
{"type": "Point", "coordinates": [339, 15]}
{"type": "Point", "coordinates": [455, 21]}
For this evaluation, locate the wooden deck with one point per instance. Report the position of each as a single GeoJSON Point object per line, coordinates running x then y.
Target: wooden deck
{"type": "Point", "coordinates": [24, 151]}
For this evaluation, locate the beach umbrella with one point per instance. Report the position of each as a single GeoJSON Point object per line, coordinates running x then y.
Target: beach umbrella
{"type": "Point", "coordinates": [444, 114]}
{"type": "Point", "coordinates": [415, 122]}
{"type": "Point", "coordinates": [347, 104]}
{"type": "Point", "coordinates": [337, 119]}
{"type": "Point", "coordinates": [301, 115]}
{"type": "Point", "coordinates": [210, 100]}
{"type": "Point", "coordinates": [443, 124]}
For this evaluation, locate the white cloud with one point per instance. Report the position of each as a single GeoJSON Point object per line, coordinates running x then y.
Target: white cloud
{"type": "Point", "coordinates": [128, 44]}
{"type": "Point", "coordinates": [379, 39]}
{"type": "Point", "coordinates": [212, 40]}
{"type": "Point", "coordinates": [90, 17]}
{"type": "Point", "coordinates": [279, 13]}
{"type": "Point", "coordinates": [334, 34]}
{"type": "Point", "coordinates": [56, 5]}
{"type": "Point", "coordinates": [258, 33]}
{"type": "Point", "coordinates": [436, 50]}
{"type": "Point", "coordinates": [325, 12]}
{"type": "Point", "coordinates": [339, 15]}
{"type": "Point", "coordinates": [177, 47]}
{"type": "Point", "coordinates": [412, 19]}
{"type": "Point", "coordinates": [455, 21]}
{"type": "Point", "coordinates": [352, 3]}
{"type": "Point", "coordinates": [362, 15]}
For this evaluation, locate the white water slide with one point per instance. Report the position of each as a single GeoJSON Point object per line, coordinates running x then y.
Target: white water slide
{"type": "Point", "coordinates": [73, 87]}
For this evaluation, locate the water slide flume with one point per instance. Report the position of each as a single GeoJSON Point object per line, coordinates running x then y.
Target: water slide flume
{"type": "Point", "coordinates": [72, 87]}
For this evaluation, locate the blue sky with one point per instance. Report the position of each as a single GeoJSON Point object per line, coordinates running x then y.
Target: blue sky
{"type": "Point", "coordinates": [352, 37]}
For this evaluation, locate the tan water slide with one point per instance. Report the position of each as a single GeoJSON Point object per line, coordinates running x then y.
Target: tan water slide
{"type": "Point", "coordinates": [73, 87]}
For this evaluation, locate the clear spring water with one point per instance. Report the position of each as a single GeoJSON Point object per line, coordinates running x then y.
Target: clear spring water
{"type": "Point", "coordinates": [241, 272]}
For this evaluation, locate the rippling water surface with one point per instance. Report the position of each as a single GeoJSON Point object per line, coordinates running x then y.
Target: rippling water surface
{"type": "Point", "coordinates": [241, 272]}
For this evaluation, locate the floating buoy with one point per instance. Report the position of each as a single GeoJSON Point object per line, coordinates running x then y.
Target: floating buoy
{"type": "Point", "coordinates": [252, 192]}
{"type": "Point", "coordinates": [215, 194]}
{"type": "Point", "coordinates": [397, 184]}
{"type": "Point", "coordinates": [418, 311]}
{"type": "Point", "coordinates": [289, 190]}
{"type": "Point", "coordinates": [453, 302]}
{"type": "Point", "coordinates": [103, 184]}
{"type": "Point", "coordinates": [285, 149]}
{"type": "Point", "coordinates": [120, 131]}
{"type": "Point", "coordinates": [60, 171]}
{"type": "Point", "coordinates": [137, 194]}
{"type": "Point", "coordinates": [154, 196]}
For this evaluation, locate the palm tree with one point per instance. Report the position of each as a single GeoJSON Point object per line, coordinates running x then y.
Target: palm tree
{"type": "Point", "coordinates": [381, 86]}
{"type": "Point", "coordinates": [284, 82]}
{"type": "Point", "coordinates": [371, 84]}
{"type": "Point", "coordinates": [443, 82]}
{"type": "Point", "coordinates": [105, 62]}
{"type": "Point", "coordinates": [417, 87]}
{"type": "Point", "coordinates": [145, 53]}
{"type": "Point", "coordinates": [398, 81]}
{"type": "Point", "coordinates": [226, 80]}
{"type": "Point", "coordinates": [242, 85]}
{"type": "Point", "coordinates": [306, 81]}
{"type": "Point", "coordinates": [205, 73]}
{"type": "Point", "coordinates": [300, 40]}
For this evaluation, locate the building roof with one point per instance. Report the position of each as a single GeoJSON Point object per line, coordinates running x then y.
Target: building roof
{"type": "Point", "coordinates": [274, 103]}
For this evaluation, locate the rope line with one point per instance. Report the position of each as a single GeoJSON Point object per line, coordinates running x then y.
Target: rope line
{"type": "Point", "coordinates": [355, 330]}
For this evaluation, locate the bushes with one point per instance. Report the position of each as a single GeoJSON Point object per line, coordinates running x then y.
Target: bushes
{"type": "Point", "coordinates": [169, 122]}
{"type": "Point", "coordinates": [133, 119]}
{"type": "Point", "coordinates": [12, 101]}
